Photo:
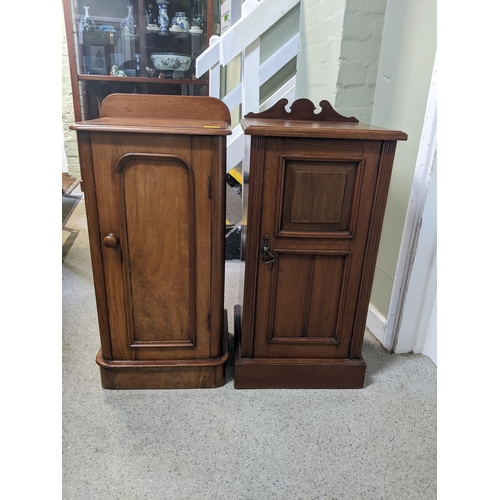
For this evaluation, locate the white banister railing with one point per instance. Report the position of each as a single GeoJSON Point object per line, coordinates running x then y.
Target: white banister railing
{"type": "Point", "coordinates": [256, 18]}
{"type": "Point", "coordinates": [244, 38]}
{"type": "Point", "coordinates": [209, 60]}
{"type": "Point", "coordinates": [266, 70]}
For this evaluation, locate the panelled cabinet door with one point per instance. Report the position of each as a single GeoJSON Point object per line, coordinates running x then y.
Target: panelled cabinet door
{"type": "Point", "coordinates": [315, 216]}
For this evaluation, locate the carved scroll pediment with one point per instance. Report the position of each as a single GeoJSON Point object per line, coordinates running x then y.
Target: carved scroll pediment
{"type": "Point", "coordinates": [302, 109]}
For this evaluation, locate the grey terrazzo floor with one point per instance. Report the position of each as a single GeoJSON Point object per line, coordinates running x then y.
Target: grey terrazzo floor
{"type": "Point", "coordinates": [375, 443]}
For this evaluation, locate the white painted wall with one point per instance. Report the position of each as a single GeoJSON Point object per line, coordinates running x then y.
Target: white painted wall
{"type": "Point", "coordinates": [318, 58]}
{"type": "Point", "coordinates": [403, 82]}
{"type": "Point", "coordinates": [339, 49]}
{"type": "Point", "coordinates": [359, 58]}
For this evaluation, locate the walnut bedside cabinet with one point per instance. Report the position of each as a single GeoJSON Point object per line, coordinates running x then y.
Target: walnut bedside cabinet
{"type": "Point", "coordinates": [154, 171]}
{"type": "Point", "coordinates": [313, 211]}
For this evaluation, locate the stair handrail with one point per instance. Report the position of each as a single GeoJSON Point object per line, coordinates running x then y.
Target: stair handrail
{"type": "Point", "coordinates": [257, 17]}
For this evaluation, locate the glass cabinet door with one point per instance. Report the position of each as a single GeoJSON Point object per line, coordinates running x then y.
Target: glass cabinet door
{"type": "Point", "coordinates": [141, 46]}
{"type": "Point", "coordinates": [108, 39]}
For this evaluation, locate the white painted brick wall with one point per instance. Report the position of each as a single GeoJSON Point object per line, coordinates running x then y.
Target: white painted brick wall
{"type": "Point", "coordinates": [318, 59]}
{"type": "Point", "coordinates": [338, 56]}
{"type": "Point", "coordinates": [359, 56]}
{"type": "Point", "coordinates": [367, 6]}
{"type": "Point", "coordinates": [68, 116]}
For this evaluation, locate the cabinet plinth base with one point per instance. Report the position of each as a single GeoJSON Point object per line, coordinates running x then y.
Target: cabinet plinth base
{"type": "Point", "coordinates": [165, 374]}
{"type": "Point", "coordinates": [294, 373]}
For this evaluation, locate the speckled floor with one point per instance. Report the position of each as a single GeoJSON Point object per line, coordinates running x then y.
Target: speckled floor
{"type": "Point", "coordinates": [375, 443]}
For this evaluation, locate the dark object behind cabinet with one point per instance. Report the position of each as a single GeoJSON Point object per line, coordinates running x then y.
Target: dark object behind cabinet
{"type": "Point", "coordinates": [154, 169]}
{"type": "Point", "coordinates": [318, 186]}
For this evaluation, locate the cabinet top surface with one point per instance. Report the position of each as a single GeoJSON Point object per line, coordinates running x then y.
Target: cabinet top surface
{"type": "Point", "coordinates": [142, 125]}
{"type": "Point", "coordinates": [304, 120]}
{"type": "Point", "coordinates": [160, 114]}
{"type": "Point", "coordinates": [321, 129]}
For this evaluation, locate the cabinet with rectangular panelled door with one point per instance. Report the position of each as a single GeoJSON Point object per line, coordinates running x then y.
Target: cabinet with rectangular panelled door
{"type": "Point", "coordinates": [154, 170]}
{"type": "Point", "coordinates": [314, 202]}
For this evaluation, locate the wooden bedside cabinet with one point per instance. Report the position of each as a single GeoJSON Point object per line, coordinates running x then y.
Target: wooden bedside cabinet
{"type": "Point", "coordinates": [154, 171]}
{"type": "Point", "coordinates": [317, 189]}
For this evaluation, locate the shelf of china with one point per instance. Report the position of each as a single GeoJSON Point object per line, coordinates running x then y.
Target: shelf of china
{"type": "Point", "coordinates": [136, 79]}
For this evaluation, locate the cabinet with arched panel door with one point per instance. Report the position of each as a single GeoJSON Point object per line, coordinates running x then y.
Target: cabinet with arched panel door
{"type": "Point", "coordinates": [154, 169]}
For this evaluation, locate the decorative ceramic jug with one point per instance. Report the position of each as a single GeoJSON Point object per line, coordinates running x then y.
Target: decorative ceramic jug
{"type": "Point", "coordinates": [128, 24]}
{"type": "Point", "coordinates": [181, 21]}
{"type": "Point", "coordinates": [87, 24]}
{"type": "Point", "coordinates": [163, 16]}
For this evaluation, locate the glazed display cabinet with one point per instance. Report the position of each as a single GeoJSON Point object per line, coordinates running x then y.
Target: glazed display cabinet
{"type": "Point", "coordinates": [135, 46]}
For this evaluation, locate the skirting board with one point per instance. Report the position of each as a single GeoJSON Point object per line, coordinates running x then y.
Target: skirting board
{"type": "Point", "coordinates": [376, 324]}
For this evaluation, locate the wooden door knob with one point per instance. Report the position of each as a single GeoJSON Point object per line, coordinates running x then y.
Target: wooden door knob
{"type": "Point", "coordinates": [111, 240]}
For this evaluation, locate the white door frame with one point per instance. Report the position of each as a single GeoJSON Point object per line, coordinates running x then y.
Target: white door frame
{"type": "Point", "coordinates": [414, 290]}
